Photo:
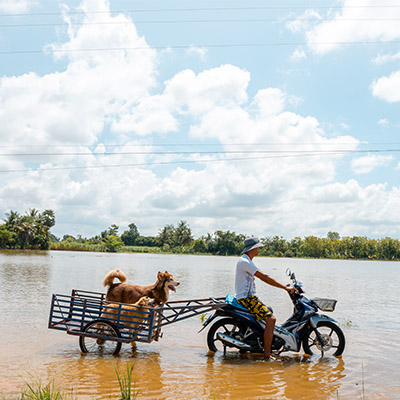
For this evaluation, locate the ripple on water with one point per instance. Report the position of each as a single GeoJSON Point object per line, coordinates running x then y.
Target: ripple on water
{"type": "Point", "coordinates": [179, 365]}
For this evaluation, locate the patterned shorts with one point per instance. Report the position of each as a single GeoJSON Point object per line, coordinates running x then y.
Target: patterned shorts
{"type": "Point", "coordinates": [256, 307]}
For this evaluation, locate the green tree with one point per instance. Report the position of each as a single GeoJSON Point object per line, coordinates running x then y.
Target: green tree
{"type": "Point", "coordinates": [389, 249]}
{"type": "Point", "coordinates": [333, 235]}
{"type": "Point", "coordinates": [200, 246]}
{"type": "Point", "coordinates": [112, 230]}
{"type": "Point", "coordinates": [182, 234]}
{"type": "Point", "coordinates": [6, 238]}
{"type": "Point", "coordinates": [276, 246]}
{"type": "Point", "coordinates": [49, 218]}
{"type": "Point", "coordinates": [30, 231]}
{"type": "Point", "coordinates": [312, 246]}
{"type": "Point", "coordinates": [166, 236]}
{"type": "Point", "coordinates": [130, 236]}
{"type": "Point", "coordinates": [149, 241]}
{"type": "Point", "coordinates": [112, 243]}
{"type": "Point", "coordinates": [226, 243]}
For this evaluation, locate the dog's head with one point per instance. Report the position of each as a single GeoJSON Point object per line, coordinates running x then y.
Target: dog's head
{"type": "Point", "coordinates": [168, 279]}
{"type": "Point", "coordinates": [143, 301]}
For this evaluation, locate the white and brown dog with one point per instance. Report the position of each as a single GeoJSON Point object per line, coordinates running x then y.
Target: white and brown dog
{"type": "Point", "coordinates": [122, 292]}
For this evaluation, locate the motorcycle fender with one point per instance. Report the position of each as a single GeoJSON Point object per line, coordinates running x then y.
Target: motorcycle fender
{"type": "Point", "coordinates": [289, 339]}
{"type": "Point", "coordinates": [315, 319]}
{"type": "Point", "coordinates": [209, 320]}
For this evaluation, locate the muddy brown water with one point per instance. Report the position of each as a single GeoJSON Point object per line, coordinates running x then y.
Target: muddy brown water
{"type": "Point", "coordinates": [179, 365]}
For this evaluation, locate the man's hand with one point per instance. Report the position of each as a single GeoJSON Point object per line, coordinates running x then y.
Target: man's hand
{"type": "Point", "coordinates": [291, 289]}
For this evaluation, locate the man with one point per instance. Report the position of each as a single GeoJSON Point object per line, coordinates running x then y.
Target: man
{"type": "Point", "coordinates": [245, 289]}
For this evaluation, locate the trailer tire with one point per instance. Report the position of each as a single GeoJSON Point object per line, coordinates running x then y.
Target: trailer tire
{"type": "Point", "coordinates": [100, 345]}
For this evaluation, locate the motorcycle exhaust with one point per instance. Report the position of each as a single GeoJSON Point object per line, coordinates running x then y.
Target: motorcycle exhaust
{"type": "Point", "coordinates": [233, 342]}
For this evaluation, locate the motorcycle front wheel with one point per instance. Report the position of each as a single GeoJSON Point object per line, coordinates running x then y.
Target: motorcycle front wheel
{"type": "Point", "coordinates": [333, 340]}
{"type": "Point", "coordinates": [227, 326]}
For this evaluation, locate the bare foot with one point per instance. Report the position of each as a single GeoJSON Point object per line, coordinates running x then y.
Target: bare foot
{"type": "Point", "coordinates": [271, 359]}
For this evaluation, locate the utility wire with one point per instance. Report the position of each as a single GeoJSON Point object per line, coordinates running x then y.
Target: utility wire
{"type": "Point", "coordinates": [199, 21]}
{"type": "Point", "coordinates": [177, 47]}
{"type": "Point", "coordinates": [200, 152]}
{"type": "Point", "coordinates": [200, 144]}
{"type": "Point", "coordinates": [298, 7]}
{"type": "Point", "coordinates": [199, 161]}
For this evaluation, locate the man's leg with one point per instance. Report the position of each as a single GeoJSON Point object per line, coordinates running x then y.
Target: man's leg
{"type": "Point", "coordinates": [268, 335]}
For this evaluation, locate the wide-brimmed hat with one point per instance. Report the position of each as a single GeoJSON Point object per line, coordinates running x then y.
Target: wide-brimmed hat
{"type": "Point", "coordinates": [250, 244]}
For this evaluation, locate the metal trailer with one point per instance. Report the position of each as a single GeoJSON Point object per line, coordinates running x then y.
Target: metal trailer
{"type": "Point", "coordinates": [103, 326]}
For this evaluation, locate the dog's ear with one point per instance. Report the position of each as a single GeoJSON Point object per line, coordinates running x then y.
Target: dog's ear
{"type": "Point", "coordinates": [160, 275]}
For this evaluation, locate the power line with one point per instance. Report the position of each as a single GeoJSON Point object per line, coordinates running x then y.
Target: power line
{"type": "Point", "coordinates": [219, 152]}
{"type": "Point", "coordinates": [211, 46]}
{"type": "Point", "coordinates": [284, 20]}
{"type": "Point", "coordinates": [198, 161]}
{"type": "Point", "coordinates": [197, 144]}
{"type": "Point", "coordinates": [297, 7]}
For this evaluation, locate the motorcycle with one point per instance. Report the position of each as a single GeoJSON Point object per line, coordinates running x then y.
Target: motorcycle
{"type": "Point", "coordinates": [235, 327]}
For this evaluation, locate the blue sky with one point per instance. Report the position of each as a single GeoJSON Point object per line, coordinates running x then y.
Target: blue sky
{"type": "Point", "coordinates": [269, 118]}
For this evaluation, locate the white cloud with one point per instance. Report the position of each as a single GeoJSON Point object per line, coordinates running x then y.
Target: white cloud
{"type": "Point", "coordinates": [385, 58]}
{"type": "Point", "coordinates": [16, 6]}
{"type": "Point", "coordinates": [200, 52]}
{"type": "Point", "coordinates": [298, 55]}
{"type": "Point", "coordinates": [337, 193]}
{"type": "Point", "coordinates": [304, 22]}
{"type": "Point", "coordinates": [383, 122]}
{"type": "Point", "coordinates": [74, 105]}
{"type": "Point", "coordinates": [387, 87]}
{"type": "Point", "coordinates": [350, 24]}
{"type": "Point", "coordinates": [366, 164]}
{"type": "Point", "coordinates": [225, 85]}
{"type": "Point", "coordinates": [351, 208]}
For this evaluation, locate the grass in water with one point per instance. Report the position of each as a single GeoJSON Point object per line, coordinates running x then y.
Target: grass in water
{"type": "Point", "coordinates": [36, 391]}
{"type": "Point", "coordinates": [125, 383]}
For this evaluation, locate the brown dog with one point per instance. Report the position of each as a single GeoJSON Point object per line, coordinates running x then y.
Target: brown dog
{"type": "Point", "coordinates": [130, 316]}
{"type": "Point", "coordinates": [126, 293]}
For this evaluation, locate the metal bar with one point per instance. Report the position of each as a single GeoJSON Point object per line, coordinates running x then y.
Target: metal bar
{"type": "Point", "coordinates": [51, 311]}
{"type": "Point", "coordinates": [83, 317]}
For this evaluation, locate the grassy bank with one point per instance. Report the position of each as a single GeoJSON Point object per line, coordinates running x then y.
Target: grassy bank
{"type": "Point", "coordinates": [75, 246]}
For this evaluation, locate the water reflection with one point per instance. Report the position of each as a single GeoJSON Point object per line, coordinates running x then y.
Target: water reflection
{"type": "Point", "coordinates": [295, 377]}
{"type": "Point", "coordinates": [179, 365]}
{"type": "Point", "coordinates": [96, 377]}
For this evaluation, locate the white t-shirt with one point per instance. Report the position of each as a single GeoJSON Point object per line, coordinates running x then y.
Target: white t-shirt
{"type": "Point", "coordinates": [244, 281]}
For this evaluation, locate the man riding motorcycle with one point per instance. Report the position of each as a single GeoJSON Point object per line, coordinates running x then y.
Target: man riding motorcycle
{"type": "Point", "coordinates": [245, 290]}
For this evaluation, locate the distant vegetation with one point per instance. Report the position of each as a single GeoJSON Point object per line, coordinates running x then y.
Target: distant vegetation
{"type": "Point", "coordinates": [32, 231]}
{"type": "Point", "coordinates": [29, 231]}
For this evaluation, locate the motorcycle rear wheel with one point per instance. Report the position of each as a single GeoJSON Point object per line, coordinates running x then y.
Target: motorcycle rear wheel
{"type": "Point", "coordinates": [228, 326]}
{"type": "Point", "coordinates": [332, 336]}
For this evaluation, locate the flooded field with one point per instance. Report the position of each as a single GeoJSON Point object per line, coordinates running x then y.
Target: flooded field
{"type": "Point", "coordinates": [179, 365]}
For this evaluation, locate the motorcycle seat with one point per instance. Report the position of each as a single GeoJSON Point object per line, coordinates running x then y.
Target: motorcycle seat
{"type": "Point", "coordinates": [231, 300]}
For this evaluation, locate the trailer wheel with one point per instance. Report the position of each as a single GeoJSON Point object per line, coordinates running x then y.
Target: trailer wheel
{"type": "Point", "coordinates": [97, 342]}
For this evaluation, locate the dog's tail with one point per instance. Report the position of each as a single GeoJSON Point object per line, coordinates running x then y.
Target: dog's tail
{"type": "Point", "coordinates": [109, 279]}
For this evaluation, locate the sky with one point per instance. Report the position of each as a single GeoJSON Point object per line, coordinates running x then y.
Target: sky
{"type": "Point", "coordinates": [260, 117]}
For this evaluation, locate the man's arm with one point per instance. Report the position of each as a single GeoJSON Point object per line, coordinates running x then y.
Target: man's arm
{"type": "Point", "coordinates": [271, 281]}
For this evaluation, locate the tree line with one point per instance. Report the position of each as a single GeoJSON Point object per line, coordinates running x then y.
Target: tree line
{"type": "Point", "coordinates": [29, 231]}
{"type": "Point", "coordinates": [32, 231]}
